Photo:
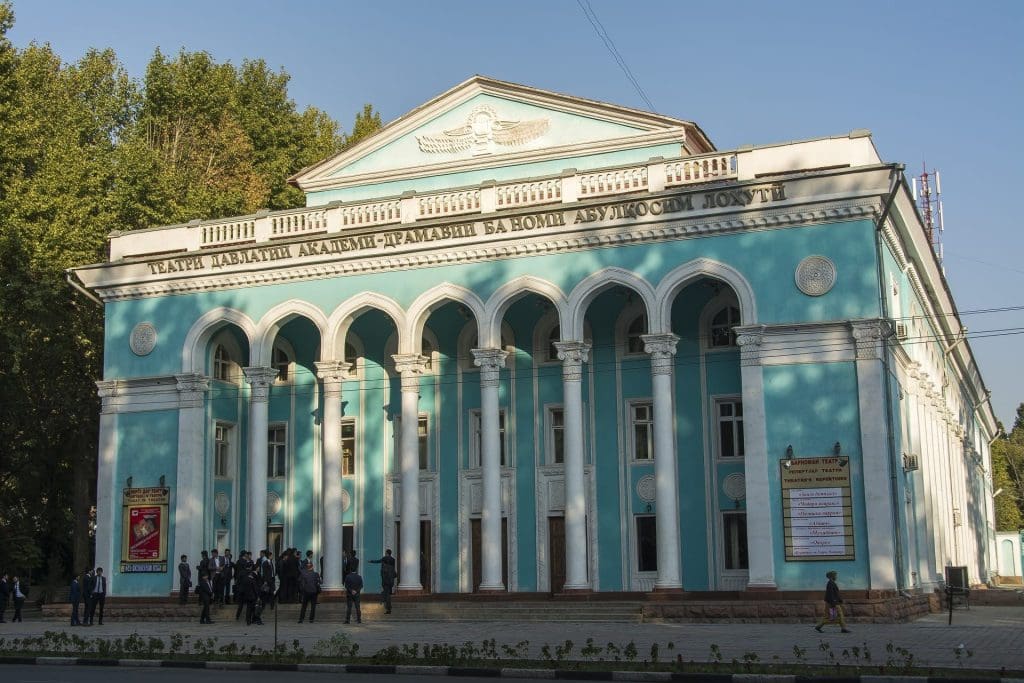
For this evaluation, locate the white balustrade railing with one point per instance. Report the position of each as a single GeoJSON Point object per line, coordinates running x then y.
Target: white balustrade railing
{"type": "Point", "coordinates": [413, 207]}
{"type": "Point", "coordinates": [230, 231]}
{"type": "Point", "coordinates": [700, 169]}
{"type": "Point", "coordinates": [529, 194]}
{"type": "Point", "coordinates": [613, 182]}
{"type": "Point", "coordinates": [375, 213]}
{"type": "Point", "coordinates": [301, 222]}
{"type": "Point", "coordinates": [449, 203]}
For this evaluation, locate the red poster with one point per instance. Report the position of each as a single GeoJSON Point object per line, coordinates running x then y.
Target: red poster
{"type": "Point", "coordinates": [144, 532]}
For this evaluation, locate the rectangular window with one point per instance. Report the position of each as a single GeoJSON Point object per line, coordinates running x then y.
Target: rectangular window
{"type": "Point", "coordinates": [556, 436]}
{"type": "Point", "coordinates": [729, 414]}
{"type": "Point", "coordinates": [222, 450]}
{"type": "Point", "coordinates": [348, 447]}
{"type": "Point", "coordinates": [277, 451]}
{"type": "Point", "coordinates": [734, 535]}
{"type": "Point", "coordinates": [476, 439]}
{"type": "Point", "coordinates": [423, 432]}
{"type": "Point", "coordinates": [642, 419]}
{"type": "Point", "coordinates": [646, 543]}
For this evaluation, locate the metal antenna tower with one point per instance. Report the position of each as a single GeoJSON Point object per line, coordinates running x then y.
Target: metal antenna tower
{"type": "Point", "coordinates": [927, 189]}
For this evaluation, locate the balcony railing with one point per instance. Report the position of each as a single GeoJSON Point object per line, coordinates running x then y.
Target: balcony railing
{"type": "Point", "coordinates": [653, 176]}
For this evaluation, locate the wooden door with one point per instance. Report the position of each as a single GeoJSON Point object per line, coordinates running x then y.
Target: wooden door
{"type": "Point", "coordinates": [556, 553]}
{"type": "Point", "coordinates": [477, 552]}
{"type": "Point", "coordinates": [426, 555]}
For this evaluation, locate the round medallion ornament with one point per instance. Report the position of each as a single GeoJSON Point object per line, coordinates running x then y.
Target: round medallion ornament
{"type": "Point", "coordinates": [735, 486]}
{"type": "Point", "coordinates": [645, 489]}
{"type": "Point", "coordinates": [273, 503]}
{"type": "Point", "coordinates": [346, 500]}
{"type": "Point", "coordinates": [815, 275]}
{"type": "Point", "coordinates": [222, 503]}
{"type": "Point", "coordinates": [143, 339]}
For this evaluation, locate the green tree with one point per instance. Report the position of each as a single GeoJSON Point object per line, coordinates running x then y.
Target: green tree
{"type": "Point", "coordinates": [1008, 475]}
{"type": "Point", "coordinates": [366, 124]}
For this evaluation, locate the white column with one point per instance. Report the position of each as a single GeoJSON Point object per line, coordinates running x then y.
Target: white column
{"type": "Point", "coordinates": [333, 373]}
{"type": "Point", "coordinates": [490, 362]}
{"type": "Point", "coordinates": [662, 348]}
{"type": "Point", "coordinates": [874, 444]}
{"type": "Point", "coordinates": [107, 505]}
{"type": "Point", "coordinates": [573, 355]}
{"type": "Point", "coordinates": [410, 367]}
{"type": "Point", "coordinates": [760, 543]}
{"type": "Point", "coordinates": [259, 380]}
{"type": "Point", "coordinates": [191, 469]}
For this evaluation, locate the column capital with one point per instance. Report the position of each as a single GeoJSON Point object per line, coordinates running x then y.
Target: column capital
{"type": "Point", "coordinates": [490, 362]}
{"type": "Point", "coordinates": [107, 390]}
{"type": "Point", "coordinates": [867, 335]}
{"type": "Point", "coordinates": [573, 355]}
{"type": "Point", "coordinates": [192, 388]}
{"type": "Point", "coordinates": [332, 373]}
{"type": "Point", "coordinates": [750, 340]}
{"type": "Point", "coordinates": [662, 348]}
{"type": "Point", "coordinates": [410, 366]}
{"type": "Point", "coordinates": [260, 380]}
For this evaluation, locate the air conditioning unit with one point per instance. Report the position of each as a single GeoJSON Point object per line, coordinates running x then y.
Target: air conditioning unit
{"type": "Point", "coordinates": [902, 331]}
{"type": "Point", "coordinates": [910, 462]}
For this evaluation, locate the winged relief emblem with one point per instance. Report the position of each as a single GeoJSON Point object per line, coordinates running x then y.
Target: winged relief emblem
{"type": "Point", "coordinates": [483, 133]}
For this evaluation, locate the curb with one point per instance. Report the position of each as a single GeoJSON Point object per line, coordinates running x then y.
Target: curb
{"type": "Point", "coordinates": [487, 672]}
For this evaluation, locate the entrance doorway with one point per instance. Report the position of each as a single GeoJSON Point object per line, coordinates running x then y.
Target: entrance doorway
{"type": "Point", "coordinates": [556, 553]}
{"type": "Point", "coordinates": [477, 552]}
{"type": "Point", "coordinates": [275, 539]}
{"type": "Point", "coordinates": [426, 546]}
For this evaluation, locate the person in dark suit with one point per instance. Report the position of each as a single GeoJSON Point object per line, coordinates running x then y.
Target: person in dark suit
{"type": "Point", "coordinates": [99, 595]}
{"type": "Point", "coordinates": [227, 575]}
{"type": "Point", "coordinates": [88, 586]}
{"type": "Point", "coordinates": [353, 562]}
{"type": "Point", "coordinates": [184, 580]}
{"type": "Point", "coordinates": [388, 574]}
{"type": "Point", "coordinates": [5, 595]}
{"type": "Point", "coordinates": [248, 593]}
{"type": "Point", "coordinates": [20, 593]}
{"type": "Point", "coordinates": [353, 592]}
{"type": "Point", "coordinates": [309, 586]}
{"type": "Point", "coordinates": [75, 597]}
{"type": "Point", "coordinates": [205, 590]}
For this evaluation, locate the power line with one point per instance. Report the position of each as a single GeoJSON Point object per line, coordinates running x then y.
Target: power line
{"type": "Point", "coordinates": [602, 33]}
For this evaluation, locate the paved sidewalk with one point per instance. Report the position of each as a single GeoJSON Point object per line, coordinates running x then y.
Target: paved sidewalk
{"type": "Point", "coordinates": [995, 635]}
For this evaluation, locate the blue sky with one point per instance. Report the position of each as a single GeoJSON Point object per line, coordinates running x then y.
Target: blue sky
{"type": "Point", "coordinates": [936, 82]}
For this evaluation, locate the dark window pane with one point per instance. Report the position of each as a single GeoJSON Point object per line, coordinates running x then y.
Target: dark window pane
{"type": "Point", "coordinates": [735, 528]}
{"type": "Point", "coordinates": [727, 447]}
{"type": "Point", "coordinates": [647, 544]}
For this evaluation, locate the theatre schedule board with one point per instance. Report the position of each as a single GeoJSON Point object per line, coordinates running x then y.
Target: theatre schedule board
{"type": "Point", "coordinates": [817, 509]}
{"type": "Point", "coordinates": [144, 530]}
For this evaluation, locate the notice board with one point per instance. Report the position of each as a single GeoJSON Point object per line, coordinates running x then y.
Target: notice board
{"type": "Point", "coordinates": [817, 509]}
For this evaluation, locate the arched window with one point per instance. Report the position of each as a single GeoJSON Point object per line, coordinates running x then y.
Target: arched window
{"type": "Point", "coordinates": [634, 334]}
{"type": "Point", "coordinates": [428, 353]}
{"type": "Point", "coordinates": [222, 364]}
{"type": "Point", "coordinates": [281, 362]}
{"type": "Point", "coordinates": [351, 356]}
{"type": "Point", "coordinates": [721, 333]}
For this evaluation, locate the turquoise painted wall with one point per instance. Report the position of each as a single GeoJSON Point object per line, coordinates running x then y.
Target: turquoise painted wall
{"type": "Point", "coordinates": [810, 407]}
{"type": "Point", "coordinates": [147, 446]}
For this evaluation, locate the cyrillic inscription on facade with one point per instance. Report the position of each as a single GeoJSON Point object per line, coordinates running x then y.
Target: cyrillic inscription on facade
{"type": "Point", "coordinates": [817, 509]}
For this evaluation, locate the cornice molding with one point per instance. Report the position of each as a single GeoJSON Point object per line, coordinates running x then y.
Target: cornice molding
{"type": "Point", "coordinates": [627, 232]}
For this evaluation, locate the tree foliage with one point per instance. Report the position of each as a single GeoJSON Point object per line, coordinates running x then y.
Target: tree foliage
{"type": "Point", "coordinates": [1008, 475]}
{"type": "Point", "coordinates": [86, 149]}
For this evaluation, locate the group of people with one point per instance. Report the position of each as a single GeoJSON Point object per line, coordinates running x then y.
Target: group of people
{"type": "Point", "coordinates": [12, 590]}
{"type": "Point", "coordinates": [251, 584]}
{"type": "Point", "coordinates": [92, 589]}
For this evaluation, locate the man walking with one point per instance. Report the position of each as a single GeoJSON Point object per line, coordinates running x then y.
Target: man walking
{"type": "Point", "coordinates": [216, 574]}
{"type": "Point", "coordinates": [387, 578]}
{"type": "Point", "coordinates": [20, 593]}
{"type": "Point", "coordinates": [184, 580]}
{"type": "Point", "coordinates": [834, 604]}
{"type": "Point", "coordinates": [353, 591]}
{"type": "Point", "coordinates": [309, 586]}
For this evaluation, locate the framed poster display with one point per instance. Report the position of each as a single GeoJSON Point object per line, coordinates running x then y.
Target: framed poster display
{"type": "Point", "coordinates": [144, 530]}
{"type": "Point", "coordinates": [817, 511]}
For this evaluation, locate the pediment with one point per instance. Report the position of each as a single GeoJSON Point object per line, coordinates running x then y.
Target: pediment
{"type": "Point", "coordinates": [482, 123]}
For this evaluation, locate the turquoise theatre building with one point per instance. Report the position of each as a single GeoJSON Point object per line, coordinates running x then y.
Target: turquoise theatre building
{"type": "Point", "coordinates": [541, 344]}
